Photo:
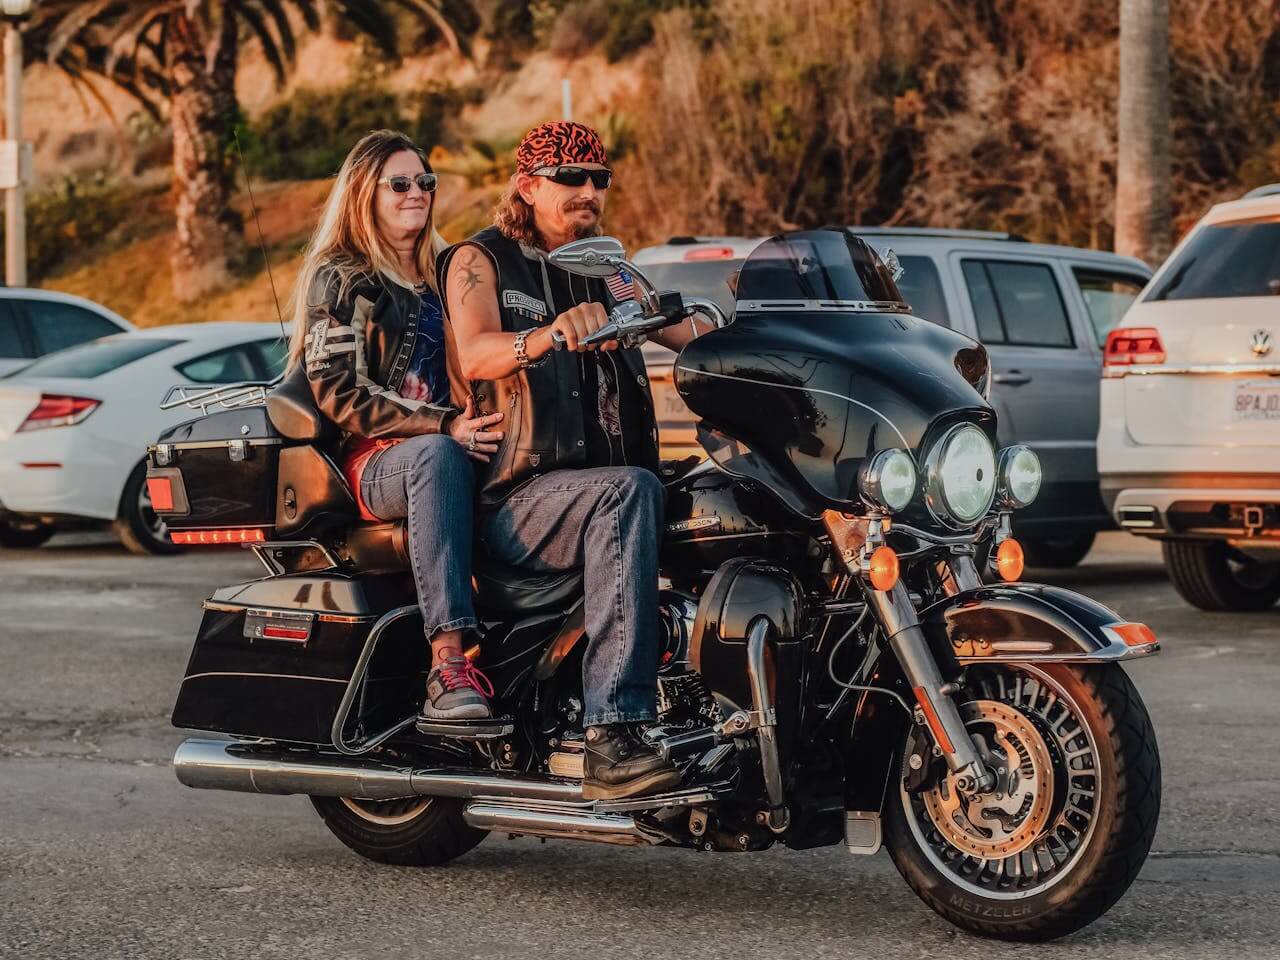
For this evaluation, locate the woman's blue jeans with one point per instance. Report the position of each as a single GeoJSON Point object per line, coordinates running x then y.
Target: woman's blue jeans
{"type": "Point", "coordinates": [429, 480]}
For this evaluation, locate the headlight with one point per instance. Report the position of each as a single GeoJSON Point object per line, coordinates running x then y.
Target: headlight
{"type": "Point", "coordinates": [888, 480]}
{"type": "Point", "coordinates": [1020, 476]}
{"type": "Point", "coordinates": [960, 476]}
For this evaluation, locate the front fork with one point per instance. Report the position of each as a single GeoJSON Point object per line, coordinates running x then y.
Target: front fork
{"type": "Point", "coordinates": [935, 696]}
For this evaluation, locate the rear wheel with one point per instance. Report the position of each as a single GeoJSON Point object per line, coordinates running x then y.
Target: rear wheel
{"type": "Point", "coordinates": [1070, 823]}
{"type": "Point", "coordinates": [1213, 576]}
{"type": "Point", "coordinates": [1058, 552]}
{"type": "Point", "coordinates": [20, 534]}
{"type": "Point", "coordinates": [138, 526]}
{"type": "Point", "coordinates": [415, 831]}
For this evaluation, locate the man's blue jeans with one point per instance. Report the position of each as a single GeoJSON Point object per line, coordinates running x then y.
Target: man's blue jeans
{"type": "Point", "coordinates": [606, 520]}
{"type": "Point", "coordinates": [430, 480]}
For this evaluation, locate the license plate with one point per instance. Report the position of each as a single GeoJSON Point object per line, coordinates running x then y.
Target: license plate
{"type": "Point", "coordinates": [668, 402]}
{"type": "Point", "coordinates": [1257, 400]}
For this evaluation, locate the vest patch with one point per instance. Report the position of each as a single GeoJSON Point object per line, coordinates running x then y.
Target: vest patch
{"type": "Point", "coordinates": [522, 301]}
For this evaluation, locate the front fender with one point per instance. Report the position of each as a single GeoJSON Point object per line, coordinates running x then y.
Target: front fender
{"type": "Point", "coordinates": [1028, 623]}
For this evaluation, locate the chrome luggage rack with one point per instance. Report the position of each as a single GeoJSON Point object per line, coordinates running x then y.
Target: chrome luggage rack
{"type": "Point", "coordinates": [229, 396]}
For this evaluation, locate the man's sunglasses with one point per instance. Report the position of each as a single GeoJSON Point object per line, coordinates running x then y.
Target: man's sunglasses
{"type": "Point", "coordinates": [577, 176]}
{"type": "Point", "coordinates": [426, 183]}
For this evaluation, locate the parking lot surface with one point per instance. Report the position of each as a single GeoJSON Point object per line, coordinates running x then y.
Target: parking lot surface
{"type": "Point", "coordinates": [103, 854]}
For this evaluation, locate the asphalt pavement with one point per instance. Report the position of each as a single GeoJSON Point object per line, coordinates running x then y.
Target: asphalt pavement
{"type": "Point", "coordinates": [103, 854]}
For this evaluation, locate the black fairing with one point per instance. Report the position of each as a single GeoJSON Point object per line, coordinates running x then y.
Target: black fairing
{"type": "Point", "coordinates": [795, 395]}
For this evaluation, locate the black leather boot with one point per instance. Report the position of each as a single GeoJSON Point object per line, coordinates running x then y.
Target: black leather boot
{"type": "Point", "coordinates": [621, 763]}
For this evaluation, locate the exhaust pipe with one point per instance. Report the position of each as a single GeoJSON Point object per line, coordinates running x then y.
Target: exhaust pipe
{"type": "Point", "coordinates": [533, 821]}
{"type": "Point", "coordinates": [254, 768]}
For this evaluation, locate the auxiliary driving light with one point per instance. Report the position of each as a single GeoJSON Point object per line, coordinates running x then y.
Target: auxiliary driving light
{"type": "Point", "coordinates": [883, 573]}
{"type": "Point", "coordinates": [888, 480]}
{"type": "Point", "coordinates": [1009, 560]}
{"type": "Point", "coordinates": [1020, 476]}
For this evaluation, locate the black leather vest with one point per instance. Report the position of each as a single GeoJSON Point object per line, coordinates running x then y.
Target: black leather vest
{"type": "Point", "coordinates": [543, 410]}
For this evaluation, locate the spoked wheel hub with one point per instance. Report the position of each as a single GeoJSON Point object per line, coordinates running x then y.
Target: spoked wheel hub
{"type": "Point", "coordinates": [1007, 820]}
{"type": "Point", "coordinates": [1023, 836]}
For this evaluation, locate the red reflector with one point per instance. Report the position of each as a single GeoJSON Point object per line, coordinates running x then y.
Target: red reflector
{"type": "Point", "coordinates": [160, 489]}
{"type": "Point", "coordinates": [41, 466]}
{"type": "Point", "coordinates": [285, 633]}
{"type": "Point", "coordinates": [935, 723]}
{"type": "Point", "coordinates": [710, 253]}
{"type": "Point", "coordinates": [1127, 346]}
{"type": "Point", "coordinates": [58, 411]}
{"type": "Point", "coordinates": [1134, 634]}
{"type": "Point", "coordinates": [196, 537]}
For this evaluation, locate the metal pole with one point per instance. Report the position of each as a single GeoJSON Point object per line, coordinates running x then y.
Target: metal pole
{"type": "Point", "coordinates": [15, 213]}
{"type": "Point", "coordinates": [566, 99]}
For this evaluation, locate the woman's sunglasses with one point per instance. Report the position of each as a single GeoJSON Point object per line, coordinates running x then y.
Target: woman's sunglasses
{"type": "Point", "coordinates": [426, 183]}
{"type": "Point", "coordinates": [577, 176]}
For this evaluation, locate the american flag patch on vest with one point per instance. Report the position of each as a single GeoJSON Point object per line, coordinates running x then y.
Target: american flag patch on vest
{"type": "Point", "coordinates": [620, 286]}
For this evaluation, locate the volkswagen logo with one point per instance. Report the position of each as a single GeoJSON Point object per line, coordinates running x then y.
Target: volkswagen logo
{"type": "Point", "coordinates": [1261, 343]}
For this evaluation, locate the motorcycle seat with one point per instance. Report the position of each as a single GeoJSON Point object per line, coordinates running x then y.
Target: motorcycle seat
{"type": "Point", "coordinates": [501, 591]}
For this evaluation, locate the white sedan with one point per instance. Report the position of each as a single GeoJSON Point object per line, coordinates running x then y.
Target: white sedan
{"type": "Point", "coordinates": [75, 425]}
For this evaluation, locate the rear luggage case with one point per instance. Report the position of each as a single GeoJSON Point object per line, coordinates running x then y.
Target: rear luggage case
{"type": "Point", "coordinates": [273, 659]}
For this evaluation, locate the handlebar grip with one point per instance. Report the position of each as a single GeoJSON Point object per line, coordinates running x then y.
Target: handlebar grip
{"type": "Point", "coordinates": [608, 332]}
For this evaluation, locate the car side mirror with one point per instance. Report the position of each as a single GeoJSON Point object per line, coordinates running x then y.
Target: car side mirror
{"type": "Point", "coordinates": [590, 257]}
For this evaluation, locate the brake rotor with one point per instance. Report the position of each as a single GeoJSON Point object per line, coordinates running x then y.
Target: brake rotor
{"type": "Point", "coordinates": [1013, 815]}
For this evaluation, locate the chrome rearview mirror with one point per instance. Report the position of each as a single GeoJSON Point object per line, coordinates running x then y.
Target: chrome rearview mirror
{"type": "Point", "coordinates": [591, 257]}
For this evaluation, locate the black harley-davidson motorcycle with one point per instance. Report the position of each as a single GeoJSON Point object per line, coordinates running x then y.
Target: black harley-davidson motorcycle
{"type": "Point", "coordinates": [848, 654]}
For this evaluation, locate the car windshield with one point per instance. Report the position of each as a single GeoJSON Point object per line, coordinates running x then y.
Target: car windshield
{"type": "Point", "coordinates": [697, 278]}
{"type": "Point", "coordinates": [827, 265]}
{"type": "Point", "coordinates": [89, 360]}
{"type": "Point", "coordinates": [1225, 260]}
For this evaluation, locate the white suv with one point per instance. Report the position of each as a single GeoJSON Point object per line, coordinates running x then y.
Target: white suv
{"type": "Point", "coordinates": [1189, 432]}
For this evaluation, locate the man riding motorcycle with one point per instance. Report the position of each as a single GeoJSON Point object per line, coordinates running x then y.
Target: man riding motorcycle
{"type": "Point", "coordinates": [574, 484]}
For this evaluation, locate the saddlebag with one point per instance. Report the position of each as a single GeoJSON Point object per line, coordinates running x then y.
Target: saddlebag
{"type": "Point", "coordinates": [273, 658]}
{"type": "Point", "coordinates": [231, 476]}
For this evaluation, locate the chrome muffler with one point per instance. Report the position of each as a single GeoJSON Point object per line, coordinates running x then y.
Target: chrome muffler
{"type": "Point", "coordinates": [259, 768]}
{"type": "Point", "coordinates": [531, 820]}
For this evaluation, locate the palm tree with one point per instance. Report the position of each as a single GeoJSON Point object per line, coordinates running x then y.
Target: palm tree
{"type": "Point", "coordinates": [1143, 210]}
{"type": "Point", "coordinates": [185, 53]}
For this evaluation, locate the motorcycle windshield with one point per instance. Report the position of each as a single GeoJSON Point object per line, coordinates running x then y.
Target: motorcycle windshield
{"type": "Point", "coordinates": [831, 269]}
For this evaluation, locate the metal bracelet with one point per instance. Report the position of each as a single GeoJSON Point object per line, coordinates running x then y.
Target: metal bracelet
{"type": "Point", "coordinates": [522, 357]}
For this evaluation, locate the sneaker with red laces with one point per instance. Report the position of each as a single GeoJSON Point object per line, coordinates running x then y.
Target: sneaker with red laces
{"type": "Point", "coordinates": [456, 691]}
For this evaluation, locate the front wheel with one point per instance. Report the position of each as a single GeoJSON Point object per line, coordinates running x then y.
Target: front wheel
{"type": "Point", "coordinates": [1070, 822]}
{"type": "Point", "coordinates": [414, 832]}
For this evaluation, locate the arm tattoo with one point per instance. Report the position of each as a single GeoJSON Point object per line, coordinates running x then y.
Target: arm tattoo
{"type": "Point", "coordinates": [469, 278]}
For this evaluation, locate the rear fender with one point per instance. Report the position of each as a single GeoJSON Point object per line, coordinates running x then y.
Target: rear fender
{"type": "Point", "coordinates": [1029, 623]}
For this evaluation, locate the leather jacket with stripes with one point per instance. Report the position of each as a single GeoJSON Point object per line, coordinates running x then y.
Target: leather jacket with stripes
{"type": "Point", "coordinates": [357, 351]}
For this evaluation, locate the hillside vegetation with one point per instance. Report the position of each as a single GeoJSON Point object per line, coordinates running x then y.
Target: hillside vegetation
{"type": "Point", "coordinates": [734, 116]}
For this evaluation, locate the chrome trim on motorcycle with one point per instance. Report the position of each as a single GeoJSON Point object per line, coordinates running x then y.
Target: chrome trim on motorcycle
{"type": "Point", "coordinates": [259, 768]}
{"type": "Point", "coordinates": [229, 396]}
{"type": "Point", "coordinates": [766, 733]}
{"type": "Point", "coordinates": [532, 821]}
{"type": "Point", "coordinates": [839, 306]}
{"type": "Point", "coordinates": [355, 685]}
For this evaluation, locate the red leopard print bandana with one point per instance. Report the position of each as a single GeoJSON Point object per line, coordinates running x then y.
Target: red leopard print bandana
{"type": "Point", "coordinates": [559, 143]}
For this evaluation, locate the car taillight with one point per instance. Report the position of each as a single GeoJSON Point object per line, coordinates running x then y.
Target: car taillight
{"type": "Point", "coordinates": [1130, 346]}
{"type": "Point", "coordinates": [58, 411]}
{"type": "Point", "coordinates": [710, 253]}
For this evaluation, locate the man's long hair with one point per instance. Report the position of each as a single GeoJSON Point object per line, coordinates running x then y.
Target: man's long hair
{"type": "Point", "coordinates": [513, 216]}
{"type": "Point", "coordinates": [347, 238]}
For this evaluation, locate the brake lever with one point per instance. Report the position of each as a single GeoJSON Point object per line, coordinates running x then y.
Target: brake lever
{"type": "Point", "coordinates": [608, 332]}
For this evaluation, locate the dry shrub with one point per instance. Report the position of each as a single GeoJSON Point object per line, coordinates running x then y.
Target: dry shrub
{"type": "Point", "coordinates": [994, 114]}
{"type": "Point", "coordinates": [579, 28]}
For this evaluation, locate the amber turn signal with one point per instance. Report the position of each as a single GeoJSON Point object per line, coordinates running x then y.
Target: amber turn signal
{"type": "Point", "coordinates": [1009, 560]}
{"type": "Point", "coordinates": [884, 568]}
{"type": "Point", "coordinates": [1134, 634]}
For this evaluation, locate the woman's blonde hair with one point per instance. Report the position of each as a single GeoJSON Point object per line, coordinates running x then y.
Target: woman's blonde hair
{"type": "Point", "coordinates": [347, 238]}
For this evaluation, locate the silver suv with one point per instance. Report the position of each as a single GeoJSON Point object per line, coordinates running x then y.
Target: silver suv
{"type": "Point", "coordinates": [1043, 312]}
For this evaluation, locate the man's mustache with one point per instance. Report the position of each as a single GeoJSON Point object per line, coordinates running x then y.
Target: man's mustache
{"type": "Point", "coordinates": [575, 205]}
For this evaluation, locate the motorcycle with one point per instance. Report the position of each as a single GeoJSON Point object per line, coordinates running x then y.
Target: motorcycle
{"type": "Point", "coordinates": [834, 666]}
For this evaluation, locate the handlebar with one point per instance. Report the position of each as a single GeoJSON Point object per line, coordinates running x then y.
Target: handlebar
{"type": "Point", "coordinates": [629, 319]}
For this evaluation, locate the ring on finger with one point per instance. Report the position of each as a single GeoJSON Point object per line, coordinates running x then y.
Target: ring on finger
{"type": "Point", "coordinates": [471, 444]}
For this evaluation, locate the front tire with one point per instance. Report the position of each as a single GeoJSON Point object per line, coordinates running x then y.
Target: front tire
{"type": "Point", "coordinates": [138, 527]}
{"type": "Point", "coordinates": [414, 832]}
{"type": "Point", "coordinates": [1210, 575]}
{"type": "Point", "coordinates": [1074, 842]}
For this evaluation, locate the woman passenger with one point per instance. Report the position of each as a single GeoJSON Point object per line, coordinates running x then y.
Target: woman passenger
{"type": "Point", "coordinates": [368, 328]}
